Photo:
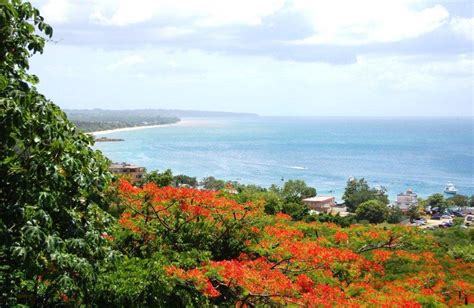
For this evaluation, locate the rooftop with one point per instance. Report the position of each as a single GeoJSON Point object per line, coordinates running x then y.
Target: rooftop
{"type": "Point", "coordinates": [319, 199]}
{"type": "Point", "coordinates": [408, 192]}
{"type": "Point", "coordinates": [123, 165]}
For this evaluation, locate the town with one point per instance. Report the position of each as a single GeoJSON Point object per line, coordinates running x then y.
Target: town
{"type": "Point", "coordinates": [408, 209]}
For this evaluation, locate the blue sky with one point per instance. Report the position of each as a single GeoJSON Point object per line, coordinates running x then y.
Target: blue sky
{"type": "Point", "coordinates": [272, 57]}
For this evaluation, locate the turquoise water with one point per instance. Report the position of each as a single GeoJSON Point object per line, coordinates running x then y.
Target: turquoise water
{"type": "Point", "coordinates": [397, 153]}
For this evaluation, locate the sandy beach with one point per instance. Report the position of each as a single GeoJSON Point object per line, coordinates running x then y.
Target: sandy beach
{"type": "Point", "coordinates": [185, 122]}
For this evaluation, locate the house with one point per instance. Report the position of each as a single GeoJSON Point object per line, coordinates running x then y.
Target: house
{"type": "Point", "coordinates": [320, 204]}
{"type": "Point", "coordinates": [123, 169]}
{"type": "Point", "coordinates": [406, 200]}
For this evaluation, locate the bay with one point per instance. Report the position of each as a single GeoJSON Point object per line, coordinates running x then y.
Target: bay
{"type": "Point", "coordinates": [397, 153]}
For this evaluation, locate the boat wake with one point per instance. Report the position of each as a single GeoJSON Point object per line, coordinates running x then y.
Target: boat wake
{"type": "Point", "coordinates": [297, 167]}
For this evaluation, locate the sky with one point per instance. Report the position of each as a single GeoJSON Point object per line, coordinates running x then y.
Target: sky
{"type": "Point", "coordinates": [271, 57]}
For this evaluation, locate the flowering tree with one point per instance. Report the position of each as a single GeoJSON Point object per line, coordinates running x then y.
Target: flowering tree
{"type": "Point", "coordinates": [244, 257]}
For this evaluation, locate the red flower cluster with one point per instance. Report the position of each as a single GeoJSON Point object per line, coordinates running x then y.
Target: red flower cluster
{"type": "Point", "coordinates": [295, 263]}
{"type": "Point", "coordinates": [341, 236]}
{"type": "Point", "coordinates": [169, 204]}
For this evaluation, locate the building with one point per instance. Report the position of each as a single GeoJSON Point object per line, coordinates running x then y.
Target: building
{"type": "Point", "coordinates": [406, 200]}
{"type": "Point", "coordinates": [135, 173]}
{"type": "Point", "coordinates": [321, 204]}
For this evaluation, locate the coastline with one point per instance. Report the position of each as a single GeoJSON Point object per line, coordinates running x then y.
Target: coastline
{"type": "Point", "coordinates": [185, 122]}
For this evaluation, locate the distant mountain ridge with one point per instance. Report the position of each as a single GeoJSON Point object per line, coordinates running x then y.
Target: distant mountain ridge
{"type": "Point", "coordinates": [101, 114]}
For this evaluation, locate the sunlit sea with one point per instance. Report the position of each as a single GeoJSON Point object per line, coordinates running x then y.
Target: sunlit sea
{"type": "Point", "coordinates": [397, 153]}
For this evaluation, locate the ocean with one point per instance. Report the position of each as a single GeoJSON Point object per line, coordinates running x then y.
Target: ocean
{"type": "Point", "coordinates": [397, 153]}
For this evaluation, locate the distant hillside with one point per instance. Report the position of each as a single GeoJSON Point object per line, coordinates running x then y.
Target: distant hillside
{"type": "Point", "coordinates": [147, 113]}
{"type": "Point", "coordinates": [98, 120]}
{"type": "Point", "coordinates": [90, 120]}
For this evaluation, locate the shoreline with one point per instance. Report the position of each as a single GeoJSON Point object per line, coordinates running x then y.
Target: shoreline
{"type": "Point", "coordinates": [126, 129]}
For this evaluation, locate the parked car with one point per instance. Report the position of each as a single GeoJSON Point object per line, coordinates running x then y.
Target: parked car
{"type": "Point", "coordinates": [436, 217]}
{"type": "Point", "coordinates": [469, 220]}
{"type": "Point", "coordinates": [446, 225]}
{"type": "Point", "coordinates": [468, 211]}
{"type": "Point", "coordinates": [420, 221]}
{"type": "Point", "coordinates": [446, 216]}
{"type": "Point", "coordinates": [457, 214]}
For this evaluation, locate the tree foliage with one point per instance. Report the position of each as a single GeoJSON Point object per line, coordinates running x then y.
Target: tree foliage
{"type": "Point", "coordinates": [211, 183]}
{"type": "Point", "coordinates": [358, 191]}
{"type": "Point", "coordinates": [52, 183]}
{"type": "Point", "coordinates": [458, 200]}
{"type": "Point", "coordinates": [206, 249]}
{"type": "Point", "coordinates": [184, 180]}
{"type": "Point", "coordinates": [373, 211]}
{"type": "Point", "coordinates": [414, 212]}
{"type": "Point", "coordinates": [175, 247]}
{"type": "Point", "coordinates": [297, 190]}
{"type": "Point", "coordinates": [394, 215]}
{"type": "Point", "coordinates": [437, 201]}
{"type": "Point", "coordinates": [162, 179]}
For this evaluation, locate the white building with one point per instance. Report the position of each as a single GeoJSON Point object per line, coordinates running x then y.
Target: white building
{"type": "Point", "coordinates": [135, 173]}
{"type": "Point", "coordinates": [406, 200]}
{"type": "Point", "coordinates": [320, 204]}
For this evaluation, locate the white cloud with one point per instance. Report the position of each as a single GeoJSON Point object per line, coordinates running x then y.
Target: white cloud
{"type": "Point", "coordinates": [414, 72]}
{"type": "Point", "coordinates": [376, 84]}
{"type": "Point", "coordinates": [335, 22]}
{"type": "Point", "coordinates": [340, 22]}
{"type": "Point", "coordinates": [463, 27]}
{"type": "Point", "coordinates": [124, 11]}
{"type": "Point", "coordinates": [204, 12]}
{"type": "Point", "coordinates": [56, 11]}
{"type": "Point", "coordinates": [126, 62]}
{"type": "Point", "coordinates": [173, 32]}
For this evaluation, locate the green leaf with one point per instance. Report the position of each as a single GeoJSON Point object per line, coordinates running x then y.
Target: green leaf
{"type": "Point", "coordinates": [3, 82]}
{"type": "Point", "coordinates": [34, 234]}
{"type": "Point", "coordinates": [48, 30]}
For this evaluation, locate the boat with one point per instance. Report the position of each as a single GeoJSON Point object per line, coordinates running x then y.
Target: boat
{"type": "Point", "coordinates": [450, 189]}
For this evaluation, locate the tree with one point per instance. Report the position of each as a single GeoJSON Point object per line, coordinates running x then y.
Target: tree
{"type": "Point", "coordinates": [458, 200]}
{"type": "Point", "coordinates": [161, 179]}
{"type": "Point", "coordinates": [296, 190]}
{"type": "Point", "coordinates": [296, 210]}
{"type": "Point", "coordinates": [374, 211]}
{"type": "Point", "coordinates": [52, 183]}
{"type": "Point", "coordinates": [437, 201]}
{"type": "Point", "coordinates": [318, 264]}
{"type": "Point", "coordinates": [414, 212]}
{"type": "Point", "coordinates": [394, 215]}
{"type": "Point", "coordinates": [358, 191]}
{"type": "Point", "coordinates": [273, 203]}
{"type": "Point", "coordinates": [211, 183]}
{"type": "Point", "coordinates": [181, 179]}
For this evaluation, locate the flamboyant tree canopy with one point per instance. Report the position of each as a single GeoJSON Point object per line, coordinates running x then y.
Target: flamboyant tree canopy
{"type": "Point", "coordinates": [213, 250]}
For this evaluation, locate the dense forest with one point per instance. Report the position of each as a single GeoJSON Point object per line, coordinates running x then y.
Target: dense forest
{"type": "Point", "coordinates": [72, 234]}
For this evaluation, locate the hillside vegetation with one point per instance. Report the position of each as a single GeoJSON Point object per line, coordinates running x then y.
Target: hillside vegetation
{"type": "Point", "coordinates": [73, 235]}
{"type": "Point", "coordinates": [97, 119]}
